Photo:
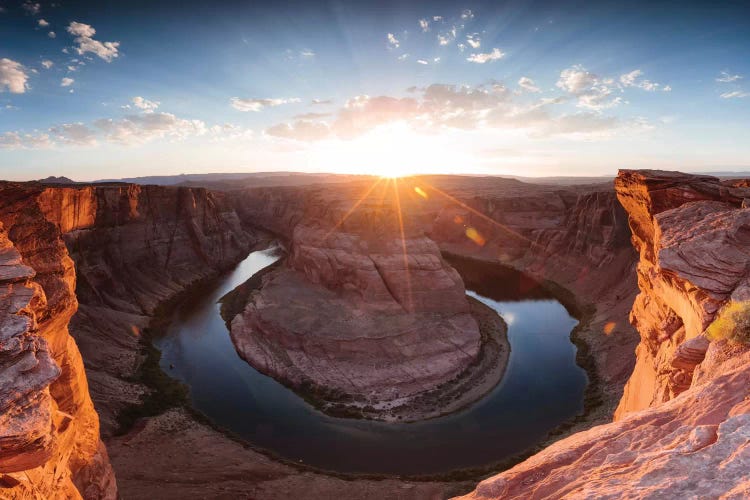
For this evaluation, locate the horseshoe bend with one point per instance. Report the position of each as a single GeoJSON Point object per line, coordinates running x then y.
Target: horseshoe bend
{"type": "Point", "coordinates": [365, 250]}
{"type": "Point", "coordinates": [363, 324]}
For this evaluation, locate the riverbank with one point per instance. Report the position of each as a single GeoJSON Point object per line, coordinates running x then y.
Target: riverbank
{"type": "Point", "coordinates": [467, 387]}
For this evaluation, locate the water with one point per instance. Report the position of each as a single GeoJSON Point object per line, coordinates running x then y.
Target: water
{"type": "Point", "coordinates": [542, 388]}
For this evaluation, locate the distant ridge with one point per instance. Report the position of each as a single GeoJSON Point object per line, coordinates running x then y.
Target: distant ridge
{"type": "Point", "coordinates": [56, 180]}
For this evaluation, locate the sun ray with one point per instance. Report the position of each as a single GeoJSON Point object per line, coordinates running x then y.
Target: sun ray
{"type": "Point", "coordinates": [403, 244]}
{"type": "Point", "coordinates": [354, 207]}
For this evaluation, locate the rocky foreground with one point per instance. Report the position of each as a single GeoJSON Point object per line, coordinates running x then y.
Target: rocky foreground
{"type": "Point", "coordinates": [682, 428]}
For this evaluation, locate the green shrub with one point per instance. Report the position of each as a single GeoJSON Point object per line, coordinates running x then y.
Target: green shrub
{"type": "Point", "coordinates": [733, 323]}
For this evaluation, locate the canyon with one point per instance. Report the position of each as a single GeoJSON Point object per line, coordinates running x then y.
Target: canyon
{"type": "Point", "coordinates": [88, 271]}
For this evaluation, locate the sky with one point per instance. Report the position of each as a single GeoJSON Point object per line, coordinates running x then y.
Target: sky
{"type": "Point", "coordinates": [113, 89]}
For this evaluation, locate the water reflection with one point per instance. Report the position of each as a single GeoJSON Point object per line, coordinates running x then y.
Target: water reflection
{"type": "Point", "coordinates": [542, 387]}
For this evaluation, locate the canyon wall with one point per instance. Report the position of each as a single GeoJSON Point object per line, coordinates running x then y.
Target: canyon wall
{"type": "Point", "coordinates": [682, 426]}
{"type": "Point", "coordinates": [576, 238]}
{"type": "Point", "coordinates": [50, 443]}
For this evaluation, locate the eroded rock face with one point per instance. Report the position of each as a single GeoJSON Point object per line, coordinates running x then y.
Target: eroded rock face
{"type": "Point", "coordinates": [576, 236]}
{"type": "Point", "coordinates": [50, 431]}
{"type": "Point", "coordinates": [683, 424]}
{"type": "Point", "coordinates": [692, 236]}
{"type": "Point", "coordinates": [358, 311]}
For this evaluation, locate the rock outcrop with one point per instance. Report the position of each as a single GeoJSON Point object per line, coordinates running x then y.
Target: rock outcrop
{"type": "Point", "coordinates": [682, 427]}
{"type": "Point", "coordinates": [692, 238]}
{"type": "Point", "coordinates": [574, 238]}
{"type": "Point", "coordinates": [50, 445]}
{"type": "Point", "coordinates": [365, 307]}
{"type": "Point", "coordinates": [135, 247]}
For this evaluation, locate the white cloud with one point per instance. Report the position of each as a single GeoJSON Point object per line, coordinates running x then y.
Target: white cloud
{"type": "Point", "coordinates": [52, 34]}
{"type": "Point", "coordinates": [43, 23]}
{"type": "Point", "coordinates": [460, 107]}
{"type": "Point", "coordinates": [467, 15]}
{"type": "Point", "coordinates": [13, 76]}
{"type": "Point", "coordinates": [138, 129]}
{"type": "Point", "coordinates": [726, 77]}
{"type": "Point", "coordinates": [633, 79]}
{"type": "Point", "coordinates": [437, 19]}
{"type": "Point", "coordinates": [402, 57]}
{"type": "Point", "coordinates": [72, 68]}
{"type": "Point", "coordinates": [66, 82]}
{"type": "Point", "coordinates": [473, 40]}
{"type": "Point", "coordinates": [74, 134]}
{"type": "Point", "coordinates": [444, 39]}
{"type": "Point", "coordinates": [47, 64]}
{"type": "Point", "coordinates": [425, 25]}
{"type": "Point", "coordinates": [18, 140]}
{"type": "Point", "coordinates": [393, 41]}
{"type": "Point", "coordinates": [494, 55]}
{"type": "Point", "coordinates": [736, 94]}
{"type": "Point", "coordinates": [576, 80]}
{"type": "Point", "coordinates": [303, 130]}
{"type": "Point", "coordinates": [528, 84]}
{"type": "Point", "coordinates": [256, 105]}
{"type": "Point", "coordinates": [84, 41]}
{"type": "Point", "coordinates": [32, 8]}
{"type": "Point", "coordinates": [593, 92]}
{"type": "Point", "coordinates": [306, 53]}
{"type": "Point", "coordinates": [144, 104]}
{"type": "Point", "coordinates": [422, 61]}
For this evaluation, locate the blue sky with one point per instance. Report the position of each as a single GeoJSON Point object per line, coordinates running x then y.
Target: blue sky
{"type": "Point", "coordinates": [521, 87]}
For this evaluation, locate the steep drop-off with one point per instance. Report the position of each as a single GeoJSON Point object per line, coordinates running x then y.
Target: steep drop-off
{"type": "Point", "coordinates": [575, 239]}
{"type": "Point", "coordinates": [683, 423]}
{"type": "Point", "coordinates": [50, 432]}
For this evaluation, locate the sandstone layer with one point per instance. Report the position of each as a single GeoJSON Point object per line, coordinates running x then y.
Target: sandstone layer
{"type": "Point", "coordinates": [365, 312]}
{"type": "Point", "coordinates": [50, 445]}
{"type": "Point", "coordinates": [575, 239]}
{"type": "Point", "coordinates": [683, 426]}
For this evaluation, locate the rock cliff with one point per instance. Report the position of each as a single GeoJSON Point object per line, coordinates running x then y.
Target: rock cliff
{"type": "Point", "coordinates": [576, 239]}
{"type": "Point", "coordinates": [365, 307]}
{"type": "Point", "coordinates": [683, 423]}
{"type": "Point", "coordinates": [50, 431]}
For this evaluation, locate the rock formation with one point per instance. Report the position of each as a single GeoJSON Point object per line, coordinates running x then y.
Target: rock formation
{"type": "Point", "coordinates": [682, 426]}
{"type": "Point", "coordinates": [576, 238]}
{"type": "Point", "coordinates": [365, 308]}
{"type": "Point", "coordinates": [50, 432]}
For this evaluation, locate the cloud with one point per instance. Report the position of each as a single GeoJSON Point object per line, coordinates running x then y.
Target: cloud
{"type": "Point", "coordinates": [47, 64]}
{"type": "Point", "coordinates": [494, 55]}
{"type": "Point", "coordinates": [32, 8]}
{"type": "Point", "coordinates": [66, 82]}
{"type": "Point", "coordinates": [257, 105]}
{"type": "Point", "coordinates": [633, 79]}
{"type": "Point", "coordinates": [311, 116]}
{"type": "Point", "coordinates": [593, 92]}
{"type": "Point", "coordinates": [84, 42]}
{"type": "Point", "coordinates": [17, 140]}
{"type": "Point", "coordinates": [43, 23]}
{"type": "Point", "coordinates": [302, 130]}
{"type": "Point", "coordinates": [138, 129]}
{"type": "Point", "coordinates": [528, 84]}
{"type": "Point", "coordinates": [52, 34]}
{"type": "Point", "coordinates": [393, 41]}
{"type": "Point", "coordinates": [422, 61]}
{"type": "Point", "coordinates": [74, 133]}
{"type": "Point", "coordinates": [306, 53]}
{"type": "Point", "coordinates": [144, 104]}
{"type": "Point", "coordinates": [321, 101]}
{"type": "Point", "coordinates": [726, 77]}
{"type": "Point", "coordinates": [403, 57]}
{"type": "Point", "coordinates": [473, 40]}
{"type": "Point", "coordinates": [13, 76]}
{"type": "Point", "coordinates": [460, 107]}
{"type": "Point", "coordinates": [736, 94]}
{"type": "Point", "coordinates": [467, 15]}
{"type": "Point", "coordinates": [425, 25]}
